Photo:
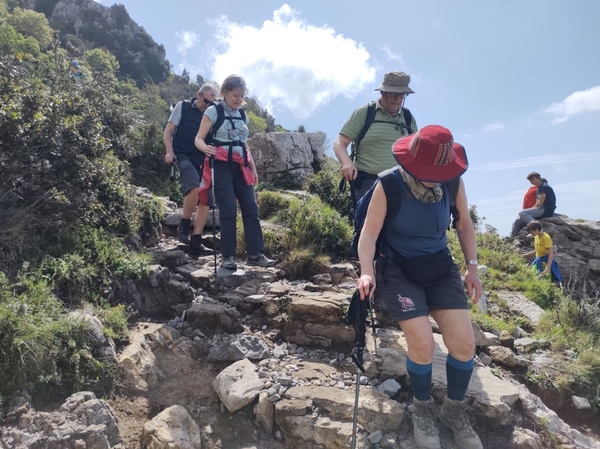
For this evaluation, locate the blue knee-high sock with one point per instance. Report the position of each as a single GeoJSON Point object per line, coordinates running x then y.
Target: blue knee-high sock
{"type": "Point", "coordinates": [420, 379]}
{"type": "Point", "coordinates": [458, 375]}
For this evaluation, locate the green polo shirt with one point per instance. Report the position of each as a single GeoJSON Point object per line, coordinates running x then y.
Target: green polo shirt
{"type": "Point", "coordinates": [375, 152]}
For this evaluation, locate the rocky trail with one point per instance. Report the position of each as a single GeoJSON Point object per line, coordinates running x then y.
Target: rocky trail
{"type": "Point", "coordinates": [252, 360]}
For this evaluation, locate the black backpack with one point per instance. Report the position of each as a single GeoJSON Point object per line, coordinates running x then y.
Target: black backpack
{"type": "Point", "coordinates": [371, 108]}
{"type": "Point", "coordinates": [221, 117]}
{"type": "Point", "coordinates": [391, 187]}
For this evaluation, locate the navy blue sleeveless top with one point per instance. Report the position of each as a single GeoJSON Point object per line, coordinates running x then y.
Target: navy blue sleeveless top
{"type": "Point", "coordinates": [419, 228]}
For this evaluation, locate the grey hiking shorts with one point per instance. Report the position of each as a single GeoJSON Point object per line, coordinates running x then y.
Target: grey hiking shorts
{"type": "Point", "coordinates": [189, 174]}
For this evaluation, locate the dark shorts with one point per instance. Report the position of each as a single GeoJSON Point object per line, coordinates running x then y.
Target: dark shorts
{"type": "Point", "coordinates": [363, 182]}
{"type": "Point", "coordinates": [404, 299]}
{"type": "Point", "coordinates": [189, 174]}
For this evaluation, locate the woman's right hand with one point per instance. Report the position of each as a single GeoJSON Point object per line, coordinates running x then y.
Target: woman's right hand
{"type": "Point", "coordinates": [366, 286]}
{"type": "Point", "coordinates": [209, 150]}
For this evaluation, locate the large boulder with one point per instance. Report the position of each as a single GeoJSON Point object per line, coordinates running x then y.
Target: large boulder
{"type": "Point", "coordinates": [287, 155]}
{"type": "Point", "coordinates": [577, 252]}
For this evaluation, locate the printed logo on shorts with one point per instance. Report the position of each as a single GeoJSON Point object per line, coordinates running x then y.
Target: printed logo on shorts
{"type": "Point", "coordinates": [406, 303]}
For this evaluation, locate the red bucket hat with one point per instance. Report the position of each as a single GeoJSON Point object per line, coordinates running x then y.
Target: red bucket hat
{"type": "Point", "coordinates": [431, 155]}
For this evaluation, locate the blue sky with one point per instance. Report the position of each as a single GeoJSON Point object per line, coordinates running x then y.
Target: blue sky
{"type": "Point", "coordinates": [517, 82]}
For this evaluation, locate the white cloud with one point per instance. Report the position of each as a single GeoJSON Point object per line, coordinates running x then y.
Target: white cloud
{"type": "Point", "coordinates": [577, 103]}
{"type": "Point", "coordinates": [391, 55]}
{"type": "Point", "coordinates": [537, 161]}
{"type": "Point", "coordinates": [187, 40]}
{"type": "Point", "coordinates": [290, 64]}
{"type": "Point", "coordinates": [493, 127]}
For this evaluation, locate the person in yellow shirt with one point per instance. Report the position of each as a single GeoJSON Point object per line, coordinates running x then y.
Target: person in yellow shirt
{"type": "Point", "coordinates": [544, 261]}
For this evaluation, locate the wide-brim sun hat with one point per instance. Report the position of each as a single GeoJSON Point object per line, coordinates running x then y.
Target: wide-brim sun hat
{"type": "Point", "coordinates": [396, 82]}
{"type": "Point", "coordinates": [431, 155]}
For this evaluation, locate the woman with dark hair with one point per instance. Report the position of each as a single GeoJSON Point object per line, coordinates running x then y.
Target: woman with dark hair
{"type": "Point", "coordinates": [417, 276]}
{"type": "Point", "coordinates": [222, 136]}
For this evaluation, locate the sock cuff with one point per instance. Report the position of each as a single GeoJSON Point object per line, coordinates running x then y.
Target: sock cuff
{"type": "Point", "coordinates": [417, 368]}
{"type": "Point", "coordinates": [457, 364]}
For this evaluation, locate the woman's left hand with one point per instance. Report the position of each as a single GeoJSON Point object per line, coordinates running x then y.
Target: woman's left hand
{"type": "Point", "coordinates": [473, 283]}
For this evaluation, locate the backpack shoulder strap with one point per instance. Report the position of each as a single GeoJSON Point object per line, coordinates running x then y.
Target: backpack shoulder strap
{"type": "Point", "coordinates": [392, 194]}
{"type": "Point", "coordinates": [218, 123]}
{"type": "Point", "coordinates": [408, 120]}
{"type": "Point", "coordinates": [243, 114]}
{"type": "Point", "coordinates": [371, 108]}
{"type": "Point", "coordinates": [453, 187]}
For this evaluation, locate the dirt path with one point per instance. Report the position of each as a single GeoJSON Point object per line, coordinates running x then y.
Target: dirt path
{"type": "Point", "coordinates": [188, 383]}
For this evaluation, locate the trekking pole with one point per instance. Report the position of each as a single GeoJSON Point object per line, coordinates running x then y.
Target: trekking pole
{"type": "Point", "coordinates": [373, 324]}
{"type": "Point", "coordinates": [358, 359]}
{"type": "Point", "coordinates": [355, 418]}
{"type": "Point", "coordinates": [211, 162]}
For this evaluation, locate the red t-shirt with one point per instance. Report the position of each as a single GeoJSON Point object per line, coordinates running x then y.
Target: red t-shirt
{"type": "Point", "coordinates": [530, 197]}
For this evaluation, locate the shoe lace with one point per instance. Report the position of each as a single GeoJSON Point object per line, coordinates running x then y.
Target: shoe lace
{"type": "Point", "coordinates": [425, 420]}
{"type": "Point", "coordinates": [464, 420]}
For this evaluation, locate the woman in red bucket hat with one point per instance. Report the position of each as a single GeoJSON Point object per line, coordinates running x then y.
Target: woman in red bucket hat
{"type": "Point", "coordinates": [417, 276]}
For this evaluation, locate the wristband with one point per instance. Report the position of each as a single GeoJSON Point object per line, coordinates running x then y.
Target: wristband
{"type": "Point", "coordinates": [472, 262]}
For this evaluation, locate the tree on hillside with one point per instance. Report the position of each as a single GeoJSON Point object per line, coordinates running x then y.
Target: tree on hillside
{"type": "Point", "coordinates": [12, 42]}
{"type": "Point", "coordinates": [100, 60]}
{"type": "Point", "coordinates": [7, 6]}
{"type": "Point", "coordinates": [31, 23]}
{"type": "Point", "coordinates": [178, 87]}
{"type": "Point", "coordinates": [256, 124]}
{"type": "Point", "coordinates": [252, 105]}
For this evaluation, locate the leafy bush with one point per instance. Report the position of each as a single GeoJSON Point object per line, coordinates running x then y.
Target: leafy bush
{"type": "Point", "coordinates": [87, 261]}
{"type": "Point", "coordinates": [325, 184]}
{"type": "Point", "coordinates": [42, 349]}
{"type": "Point", "coordinates": [307, 224]}
{"type": "Point", "coordinates": [62, 160]}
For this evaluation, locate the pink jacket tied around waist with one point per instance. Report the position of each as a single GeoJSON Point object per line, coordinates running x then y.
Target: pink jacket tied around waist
{"type": "Point", "coordinates": [222, 154]}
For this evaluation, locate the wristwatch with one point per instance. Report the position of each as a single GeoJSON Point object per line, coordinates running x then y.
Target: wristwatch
{"type": "Point", "coordinates": [472, 262]}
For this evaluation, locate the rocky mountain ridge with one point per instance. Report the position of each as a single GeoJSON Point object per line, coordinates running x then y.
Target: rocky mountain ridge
{"type": "Point", "coordinates": [99, 26]}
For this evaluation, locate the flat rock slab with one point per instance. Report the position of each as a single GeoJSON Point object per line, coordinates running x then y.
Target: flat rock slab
{"type": "Point", "coordinates": [519, 304]}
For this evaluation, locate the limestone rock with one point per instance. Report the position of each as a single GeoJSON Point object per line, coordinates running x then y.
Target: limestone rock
{"type": "Point", "coordinates": [505, 356]}
{"type": "Point", "coordinates": [264, 412]}
{"type": "Point", "coordinates": [211, 318]}
{"type": "Point", "coordinates": [173, 428]}
{"type": "Point", "coordinates": [238, 385]}
{"type": "Point", "coordinates": [290, 155]}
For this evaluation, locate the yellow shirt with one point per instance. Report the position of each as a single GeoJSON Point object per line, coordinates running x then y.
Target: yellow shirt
{"type": "Point", "coordinates": [542, 243]}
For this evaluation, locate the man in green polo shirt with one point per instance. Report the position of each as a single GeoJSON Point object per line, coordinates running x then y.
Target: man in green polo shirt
{"type": "Point", "coordinates": [374, 152]}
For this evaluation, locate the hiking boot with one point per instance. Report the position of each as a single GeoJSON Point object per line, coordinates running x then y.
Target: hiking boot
{"type": "Point", "coordinates": [197, 248]}
{"type": "Point", "coordinates": [456, 417]}
{"type": "Point", "coordinates": [228, 262]}
{"type": "Point", "coordinates": [260, 260]}
{"type": "Point", "coordinates": [183, 230]}
{"type": "Point", "coordinates": [424, 428]}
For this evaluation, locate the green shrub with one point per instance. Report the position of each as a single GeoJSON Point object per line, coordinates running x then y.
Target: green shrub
{"type": "Point", "coordinates": [87, 261]}
{"type": "Point", "coordinates": [114, 320]}
{"type": "Point", "coordinates": [325, 184]}
{"type": "Point", "coordinates": [303, 263]}
{"type": "Point", "coordinates": [42, 349]}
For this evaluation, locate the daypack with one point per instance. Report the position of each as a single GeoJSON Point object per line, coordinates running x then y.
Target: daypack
{"type": "Point", "coordinates": [221, 117]}
{"type": "Point", "coordinates": [369, 119]}
{"type": "Point", "coordinates": [371, 108]}
{"type": "Point", "coordinates": [391, 187]}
